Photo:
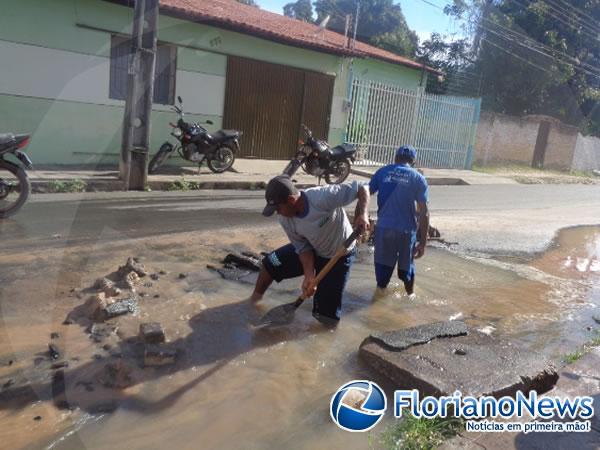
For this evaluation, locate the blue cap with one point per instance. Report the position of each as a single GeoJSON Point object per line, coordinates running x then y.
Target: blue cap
{"type": "Point", "coordinates": [406, 151]}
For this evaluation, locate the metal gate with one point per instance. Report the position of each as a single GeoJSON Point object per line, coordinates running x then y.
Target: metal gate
{"type": "Point", "coordinates": [383, 117]}
{"type": "Point", "coordinates": [269, 102]}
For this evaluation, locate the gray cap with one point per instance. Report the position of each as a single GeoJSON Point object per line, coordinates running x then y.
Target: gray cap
{"type": "Point", "coordinates": [278, 190]}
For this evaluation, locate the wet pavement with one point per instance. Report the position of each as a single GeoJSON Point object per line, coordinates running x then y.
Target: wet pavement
{"type": "Point", "coordinates": [233, 385]}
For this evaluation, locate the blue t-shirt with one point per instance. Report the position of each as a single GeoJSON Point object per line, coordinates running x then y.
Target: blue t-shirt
{"type": "Point", "coordinates": [399, 187]}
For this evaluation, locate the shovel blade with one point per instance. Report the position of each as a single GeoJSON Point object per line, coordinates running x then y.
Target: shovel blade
{"type": "Point", "coordinates": [280, 315]}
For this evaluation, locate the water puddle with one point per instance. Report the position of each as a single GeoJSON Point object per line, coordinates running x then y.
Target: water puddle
{"type": "Point", "coordinates": [234, 386]}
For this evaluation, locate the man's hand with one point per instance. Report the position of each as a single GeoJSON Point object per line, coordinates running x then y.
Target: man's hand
{"type": "Point", "coordinates": [361, 213]}
{"type": "Point", "coordinates": [308, 286]}
{"type": "Point", "coordinates": [419, 250]}
{"type": "Point", "coordinates": [362, 223]}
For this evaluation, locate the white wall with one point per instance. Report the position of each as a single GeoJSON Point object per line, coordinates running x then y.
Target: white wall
{"type": "Point", "coordinates": [587, 154]}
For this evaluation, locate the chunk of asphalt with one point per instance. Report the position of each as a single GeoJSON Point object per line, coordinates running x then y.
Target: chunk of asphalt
{"type": "Point", "coordinates": [54, 351]}
{"type": "Point", "coordinates": [152, 333]}
{"type": "Point", "coordinates": [120, 307]}
{"type": "Point", "coordinates": [399, 340]}
{"type": "Point", "coordinates": [243, 261]}
{"type": "Point", "coordinates": [158, 355]}
{"type": "Point", "coordinates": [475, 364]}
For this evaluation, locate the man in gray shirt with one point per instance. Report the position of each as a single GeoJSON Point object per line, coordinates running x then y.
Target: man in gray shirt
{"type": "Point", "coordinates": [316, 225]}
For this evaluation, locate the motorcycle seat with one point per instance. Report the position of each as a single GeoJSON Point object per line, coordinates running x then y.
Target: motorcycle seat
{"type": "Point", "coordinates": [223, 135]}
{"type": "Point", "coordinates": [343, 150]}
{"type": "Point", "coordinates": [6, 138]}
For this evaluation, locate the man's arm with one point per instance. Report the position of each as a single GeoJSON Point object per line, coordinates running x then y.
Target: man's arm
{"type": "Point", "coordinates": [361, 213]}
{"type": "Point", "coordinates": [307, 259]}
{"type": "Point", "coordinates": [423, 227]}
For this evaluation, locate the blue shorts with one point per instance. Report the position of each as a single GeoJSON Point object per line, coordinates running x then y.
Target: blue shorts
{"type": "Point", "coordinates": [395, 247]}
{"type": "Point", "coordinates": [284, 263]}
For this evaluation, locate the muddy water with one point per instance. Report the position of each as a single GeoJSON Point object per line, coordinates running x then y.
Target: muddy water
{"type": "Point", "coordinates": [238, 387]}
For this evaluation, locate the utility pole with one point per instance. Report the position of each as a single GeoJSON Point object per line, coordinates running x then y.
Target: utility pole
{"type": "Point", "coordinates": [347, 31]}
{"type": "Point", "coordinates": [133, 164]}
{"type": "Point", "coordinates": [356, 23]}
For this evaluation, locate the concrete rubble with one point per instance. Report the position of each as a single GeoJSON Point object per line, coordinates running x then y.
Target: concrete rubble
{"type": "Point", "coordinates": [159, 355]}
{"type": "Point", "coordinates": [433, 358]}
{"type": "Point", "coordinates": [152, 333]}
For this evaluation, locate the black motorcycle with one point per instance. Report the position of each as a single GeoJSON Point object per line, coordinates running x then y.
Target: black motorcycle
{"type": "Point", "coordinates": [14, 184]}
{"type": "Point", "coordinates": [318, 159]}
{"type": "Point", "coordinates": [196, 144]}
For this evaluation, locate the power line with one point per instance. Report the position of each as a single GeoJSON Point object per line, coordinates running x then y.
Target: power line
{"type": "Point", "coordinates": [560, 19]}
{"type": "Point", "coordinates": [537, 50]}
{"type": "Point", "coordinates": [576, 10]}
{"type": "Point", "coordinates": [569, 15]}
{"type": "Point", "coordinates": [516, 56]}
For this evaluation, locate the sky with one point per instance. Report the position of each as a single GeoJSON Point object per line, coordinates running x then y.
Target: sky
{"type": "Point", "coordinates": [420, 15]}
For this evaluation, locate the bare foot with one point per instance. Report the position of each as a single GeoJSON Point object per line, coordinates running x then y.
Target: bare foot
{"type": "Point", "coordinates": [379, 293]}
{"type": "Point", "coordinates": [255, 297]}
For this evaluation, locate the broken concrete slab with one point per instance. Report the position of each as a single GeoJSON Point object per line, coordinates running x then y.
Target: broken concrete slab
{"type": "Point", "coordinates": [475, 364]}
{"type": "Point", "coordinates": [159, 355]}
{"type": "Point", "coordinates": [121, 307]}
{"type": "Point", "coordinates": [152, 333]}
{"type": "Point", "coordinates": [132, 265]}
{"type": "Point", "coordinates": [107, 287]}
{"type": "Point", "coordinates": [402, 339]}
{"type": "Point", "coordinates": [245, 261]}
{"type": "Point", "coordinates": [100, 308]}
{"type": "Point", "coordinates": [100, 331]}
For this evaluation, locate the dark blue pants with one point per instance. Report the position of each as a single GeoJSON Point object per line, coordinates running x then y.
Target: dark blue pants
{"type": "Point", "coordinates": [284, 263]}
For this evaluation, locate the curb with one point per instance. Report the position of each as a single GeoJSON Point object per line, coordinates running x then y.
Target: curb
{"type": "Point", "coordinates": [43, 186]}
{"type": "Point", "coordinates": [431, 181]}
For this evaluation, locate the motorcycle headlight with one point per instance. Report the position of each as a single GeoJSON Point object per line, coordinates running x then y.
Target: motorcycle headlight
{"type": "Point", "coordinates": [177, 132]}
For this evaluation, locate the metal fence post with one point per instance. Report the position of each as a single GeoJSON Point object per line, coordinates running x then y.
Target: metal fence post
{"type": "Point", "coordinates": [474, 125]}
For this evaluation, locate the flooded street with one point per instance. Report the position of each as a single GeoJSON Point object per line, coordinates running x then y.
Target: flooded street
{"type": "Point", "coordinates": [235, 386]}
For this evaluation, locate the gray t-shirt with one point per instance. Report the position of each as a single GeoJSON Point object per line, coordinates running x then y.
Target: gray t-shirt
{"type": "Point", "coordinates": [325, 226]}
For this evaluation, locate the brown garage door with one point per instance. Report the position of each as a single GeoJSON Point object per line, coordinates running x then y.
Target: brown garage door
{"type": "Point", "coordinates": [269, 102]}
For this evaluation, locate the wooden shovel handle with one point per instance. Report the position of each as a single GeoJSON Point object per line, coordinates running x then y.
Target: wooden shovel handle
{"type": "Point", "coordinates": [332, 262]}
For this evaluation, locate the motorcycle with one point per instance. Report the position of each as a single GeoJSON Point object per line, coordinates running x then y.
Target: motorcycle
{"type": "Point", "coordinates": [195, 144]}
{"type": "Point", "coordinates": [319, 159]}
{"type": "Point", "coordinates": [14, 184]}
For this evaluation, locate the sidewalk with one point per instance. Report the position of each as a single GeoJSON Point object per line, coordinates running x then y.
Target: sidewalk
{"type": "Point", "coordinates": [579, 378]}
{"type": "Point", "coordinates": [250, 174]}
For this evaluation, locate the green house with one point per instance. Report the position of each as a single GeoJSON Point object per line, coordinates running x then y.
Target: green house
{"type": "Point", "coordinates": [63, 75]}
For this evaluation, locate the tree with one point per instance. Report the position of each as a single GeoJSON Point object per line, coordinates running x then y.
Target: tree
{"type": "Point", "coordinates": [301, 10]}
{"type": "Point", "coordinates": [454, 60]}
{"type": "Point", "coordinates": [538, 57]}
{"type": "Point", "coordinates": [248, 2]}
{"type": "Point", "coordinates": [380, 23]}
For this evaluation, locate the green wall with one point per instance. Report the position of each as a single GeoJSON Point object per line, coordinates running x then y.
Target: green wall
{"type": "Point", "coordinates": [68, 132]}
{"type": "Point", "coordinates": [383, 72]}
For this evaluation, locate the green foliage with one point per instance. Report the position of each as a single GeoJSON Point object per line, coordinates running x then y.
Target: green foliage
{"type": "Point", "coordinates": [248, 2]}
{"type": "Point", "coordinates": [411, 433]}
{"type": "Point", "coordinates": [380, 23]}
{"type": "Point", "coordinates": [300, 9]}
{"type": "Point", "coordinates": [572, 357]}
{"type": "Point", "coordinates": [75, 185]}
{"type": "Point", "coordinates": [536, 57]}
{"type": "Point", "coordinates": [183, 185]}
{"type": "Point", "coordinates": [452, 59]}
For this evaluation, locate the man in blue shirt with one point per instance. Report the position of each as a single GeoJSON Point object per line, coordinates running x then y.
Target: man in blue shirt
{"type": "Point", "coordinates": [402, 219]}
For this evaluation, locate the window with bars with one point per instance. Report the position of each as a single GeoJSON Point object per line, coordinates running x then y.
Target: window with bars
{"type": "Point", "coordinates": [164, 76]}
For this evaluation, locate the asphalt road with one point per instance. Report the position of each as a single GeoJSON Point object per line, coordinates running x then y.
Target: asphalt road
{"type": "Point", "coordinates": [481, 217]}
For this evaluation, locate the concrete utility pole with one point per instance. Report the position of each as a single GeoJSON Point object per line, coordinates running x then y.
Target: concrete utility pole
{"type": "Point", "coordinates": [133, 164]}
{"type": "Point", "coordinates": [356, 23]}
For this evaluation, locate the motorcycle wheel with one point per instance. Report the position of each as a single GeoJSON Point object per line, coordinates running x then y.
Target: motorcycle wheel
{"type": "Point", "coordinates": [14, 189]}
{"type": "Point", "coordinates": [221, 160]}
{"type": "Point", "coordinates": [160, 157]}
{"type": "Point", "coordinates": [339, 172]}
